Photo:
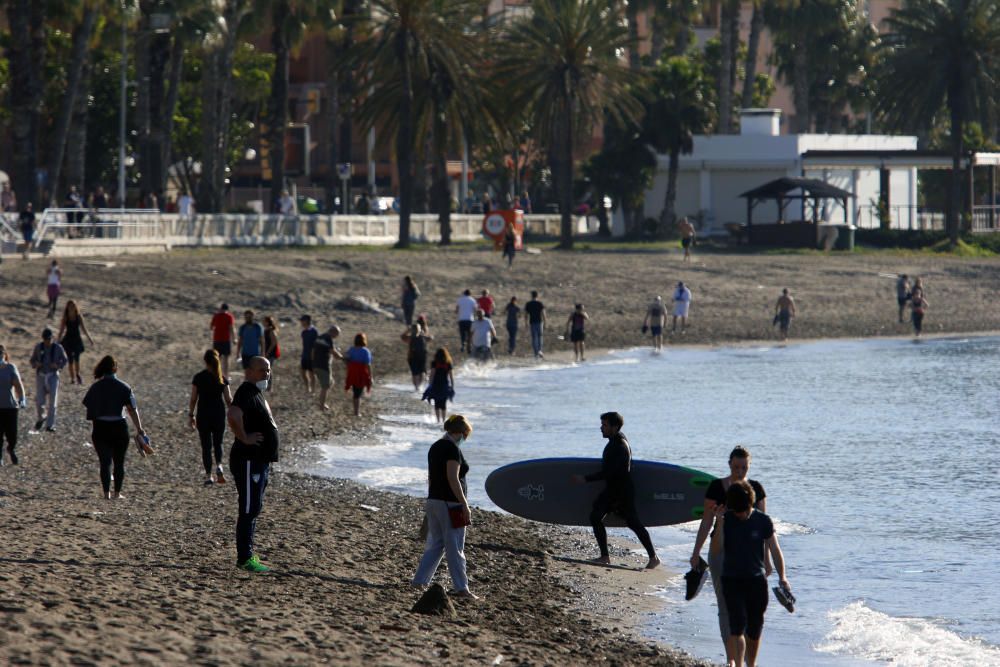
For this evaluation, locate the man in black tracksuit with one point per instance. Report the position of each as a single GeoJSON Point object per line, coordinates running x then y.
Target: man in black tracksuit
{"type": "Point", "coordinates": [255, 448]}
{"type": "Point", "coordinates": [619, 494]}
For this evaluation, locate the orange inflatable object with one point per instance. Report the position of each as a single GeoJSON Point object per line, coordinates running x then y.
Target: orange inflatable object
{"type": "Point", "coordinates": [495, 225]}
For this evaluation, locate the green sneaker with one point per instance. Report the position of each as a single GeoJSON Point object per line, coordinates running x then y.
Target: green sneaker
{"type": "Point", "coordinates": [253, 564]}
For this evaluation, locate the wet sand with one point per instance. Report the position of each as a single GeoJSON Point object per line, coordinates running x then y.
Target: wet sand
{"type": "Point", "coordinates": [151, 579]}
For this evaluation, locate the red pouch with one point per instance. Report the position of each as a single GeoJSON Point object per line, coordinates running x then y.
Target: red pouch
{"type": "Point", "coordinates": [458, 519]}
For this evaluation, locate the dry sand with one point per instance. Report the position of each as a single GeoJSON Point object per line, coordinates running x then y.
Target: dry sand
{"type": "Point", "coordinates": [151, 579]}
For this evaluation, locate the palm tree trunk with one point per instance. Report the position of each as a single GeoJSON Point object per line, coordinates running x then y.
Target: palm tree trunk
{"type": "Point", "coordinates": [278, 104]}
{"type": "Point", "coordinates": [956, 108]}
{"type": "Point", "coordinates": [169, 106]}
{"type": "Point", "coordinates": [800, 89]}
{"type": "Point", "coordinates": [76, 142]}
{"type": "Point", "coordinates": [632, 17]}
{"type": "Point", "coordinates": [64, 117]}
{"type": "Point", "coordinates": [727, 44]}
{"type": "Point", "coordinates": [658, 38]}
{"type": "Point", "coordinates": [442, 197]}
{"type": "Point", "coordinates": [25, 99]}
{"type": "Point", "coordinates": [563, 171]}
{"type": "Point", "coordinates": [420, 199]}
{"type": "Point", "coordinates": [404, 139]}
{"type": "Point", "coordinates": [669, 216]}
{"type": "Point", "coordinates": [331, 120]}
{"type": "Point", "coordinates": [753, 47]}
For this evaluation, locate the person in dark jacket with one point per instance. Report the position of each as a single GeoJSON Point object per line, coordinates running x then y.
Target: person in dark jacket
{"type": "Point", "coordinates": [618, 495]}
{"type": "Point", "coordinates": [107, 401]}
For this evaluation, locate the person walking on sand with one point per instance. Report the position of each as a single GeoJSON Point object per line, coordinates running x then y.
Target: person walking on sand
{"type": "Point", "coordinates": [465, 310]}
{"type": "Point", "coordinates": [447, 508]}
{"type": "Point", "coordinates": [409, 299]}
{"type": "Point", "coordinates": [715, 498]}
{"type": "Point", "coordinates": [107, 401]}
{"type": "Point", "coordinates": [744, 538]}
{"type": "Point", "coordinates": [509, 244]}
{"type": "Point", "coordinates": [223, 327]}
{"type": "Point", "coordinates": [513, 314]}
{"type": "Point", "coordinates": [71, 340]}
{"type": "Point", "coordinates": [48, 359]}
{"type": "Point", "coordinates": [682, 302]}
{"type": "Point", "coordinates": [655, 321]}
{"type": "Point", "coordinates": [441, 387]}
{"type": "Point", "coordinates": [12, 400]}
{"type": "Point", "coordinates": [486, 303]}
{"type": "Point", "coordinates": [211, 396]}
{"type": "Point", "coordinates": [324, 351]}
{"type": "Point", "coordinates": [250, 341]}
{"type": "Point", "coordinates": [918, 306]}
{"type": "Point", "coordinates": [575, 331]}
{"type": "Point", "coordinates": [416, 340]}
{"type": "Point", "coordinates": [618, 495]}
{"type": "Point", "coordinates": [272, 347]}
{"type": "Point", "coordinates": [534, 313]}
{"type": "Point", "coordinates": [902, 294]}
{"type": "Point", "coordinates": [687, 233]}
{"type": "Point", "coordinates": [483, 334]}
{"type": "Point", "coordinates": [784, 311]}
{"type": "Point", "coordinates": [309, 336]}
{"type": "Point", "coordinates": [255, 448]}
{"type": "Point", "coordinates": [53, 286]}
{"type": "Point", "coordinates": [26, 219]}
{"type": "Point", "coordinates": [359, 371]}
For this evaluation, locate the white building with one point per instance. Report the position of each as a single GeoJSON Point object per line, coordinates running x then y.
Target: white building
{"type": "Point", "coordinates": [722, 167]}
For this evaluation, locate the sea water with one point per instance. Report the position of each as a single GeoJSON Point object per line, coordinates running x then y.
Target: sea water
{"type": "Point", "coordinates": [879, 459]}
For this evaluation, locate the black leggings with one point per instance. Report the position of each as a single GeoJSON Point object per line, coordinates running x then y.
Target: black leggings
{"type": "Point", "coordinates": [211, 439]}
{"type": "Point", "coordinates": [8, 428]}
{"type": "Point", "coordinates": [625, 508]}
{"type": "Point", "coordinates": [111, 441]}
{"type": "Point", "coordinates": [746, 602]}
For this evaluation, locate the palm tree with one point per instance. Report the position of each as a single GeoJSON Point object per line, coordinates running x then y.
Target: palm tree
{"type": "Point", "coordinates": [753, 48]}
{"type": "Point", "coordinates": [423, 56]}
{"type": "Point", "coordinates": [729, 41]}
{"type": "Point", "coordinates": [681, 108]}
{"type": "Point", "coordinates": [563, 67]}
{"type": "Point", "coordinates": [26, 51]}
{"type": "Point", "coordinates": [941, 53]}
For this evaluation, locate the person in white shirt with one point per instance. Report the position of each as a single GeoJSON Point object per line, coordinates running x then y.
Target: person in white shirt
{"type": "Point", "coordinates": [465, 309]}
{"type": "Point", "coordinates": [682, 301]}
{"type": "Point", "coordinates": [286, 205]}
{"type": "Point", "coordinates": [483, 333]}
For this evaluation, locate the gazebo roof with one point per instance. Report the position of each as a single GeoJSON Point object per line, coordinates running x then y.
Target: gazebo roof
{"type": "Point", "coordinates": [811, 189]}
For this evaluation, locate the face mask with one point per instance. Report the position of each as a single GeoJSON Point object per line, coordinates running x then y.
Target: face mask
{"type": "Point", "coordinates": [261, 384]}
{"type": "Point", "coordinates": [460, 441]}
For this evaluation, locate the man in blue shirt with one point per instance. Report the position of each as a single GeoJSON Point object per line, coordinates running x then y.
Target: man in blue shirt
{"type": "Point", "coordinates": [309, 335]}
{"type": "Point", "coordinates": [251, 339]}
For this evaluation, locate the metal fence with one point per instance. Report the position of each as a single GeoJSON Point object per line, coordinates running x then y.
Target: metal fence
{"type": "Point", "coordinates": [903, 217]}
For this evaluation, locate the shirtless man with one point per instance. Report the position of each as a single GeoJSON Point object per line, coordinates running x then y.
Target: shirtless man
{"type": "Point", "coordinates": [686, 230]}
{"type": "Point", "coordinates": [784, 311]}
{"type": "Point", "coordinates": [656, 319]}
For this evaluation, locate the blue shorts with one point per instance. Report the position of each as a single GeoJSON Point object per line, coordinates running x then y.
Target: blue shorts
{"type": "Point", "coordinates": [657, 331]}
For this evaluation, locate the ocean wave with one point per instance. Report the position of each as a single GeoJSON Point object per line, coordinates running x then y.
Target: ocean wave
{"type": "Point", "coordinates": [862, 632]}
{"type": "Point", "coordinates": [333, 453]}
{"type": "Point", "coordinates": [393, 476]}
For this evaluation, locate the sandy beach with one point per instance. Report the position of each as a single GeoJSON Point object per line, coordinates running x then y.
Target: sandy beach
{"type": "Point", "coordinates": [151, 579]}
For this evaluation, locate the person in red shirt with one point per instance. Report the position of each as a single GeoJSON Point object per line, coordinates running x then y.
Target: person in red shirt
{"type": "Point", "coordinates": [487, 303]}
{"type": "Point", "coordinates": [223, 333]}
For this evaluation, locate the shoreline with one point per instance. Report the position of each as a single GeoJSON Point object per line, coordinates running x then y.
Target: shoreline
{"type": "Point", "coordinates": [151, 579]}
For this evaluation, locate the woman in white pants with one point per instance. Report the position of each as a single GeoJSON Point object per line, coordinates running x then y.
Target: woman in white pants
{"type": "Point", "coordinates": [447, 507]}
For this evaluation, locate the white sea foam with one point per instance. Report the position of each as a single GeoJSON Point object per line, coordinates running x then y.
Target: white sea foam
{"type": "Point", "coordinates": [862, 632]}
{"type": "Point", "coordinates": [393, 476]}
{"type": "Point", "coordinates": [332, 453]}
{"type": "Point", "coordinates": [791, 528]}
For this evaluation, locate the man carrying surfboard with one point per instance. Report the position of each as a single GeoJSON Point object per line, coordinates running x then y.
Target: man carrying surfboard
{"type": "Point", "coordinates": [618, 495]}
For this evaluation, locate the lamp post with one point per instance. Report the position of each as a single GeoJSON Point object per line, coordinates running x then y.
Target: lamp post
{"type": "Point", "coordinates": [122, 109]}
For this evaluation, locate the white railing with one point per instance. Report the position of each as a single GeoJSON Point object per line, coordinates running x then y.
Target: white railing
{"type": "Point", "coordinates": [103, 229]}
{"type": "Point", "coordinates": [902, 217]}
{"type": "Point", "coordinates": [986, 218]}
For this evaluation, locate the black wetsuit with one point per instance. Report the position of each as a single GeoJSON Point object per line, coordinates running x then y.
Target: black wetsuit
{"type": "Point", "coordinates": [619, 494]}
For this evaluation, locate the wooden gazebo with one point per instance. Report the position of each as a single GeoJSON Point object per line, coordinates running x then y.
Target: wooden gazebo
{"type": "Point", "coordinates": [785, 190]}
